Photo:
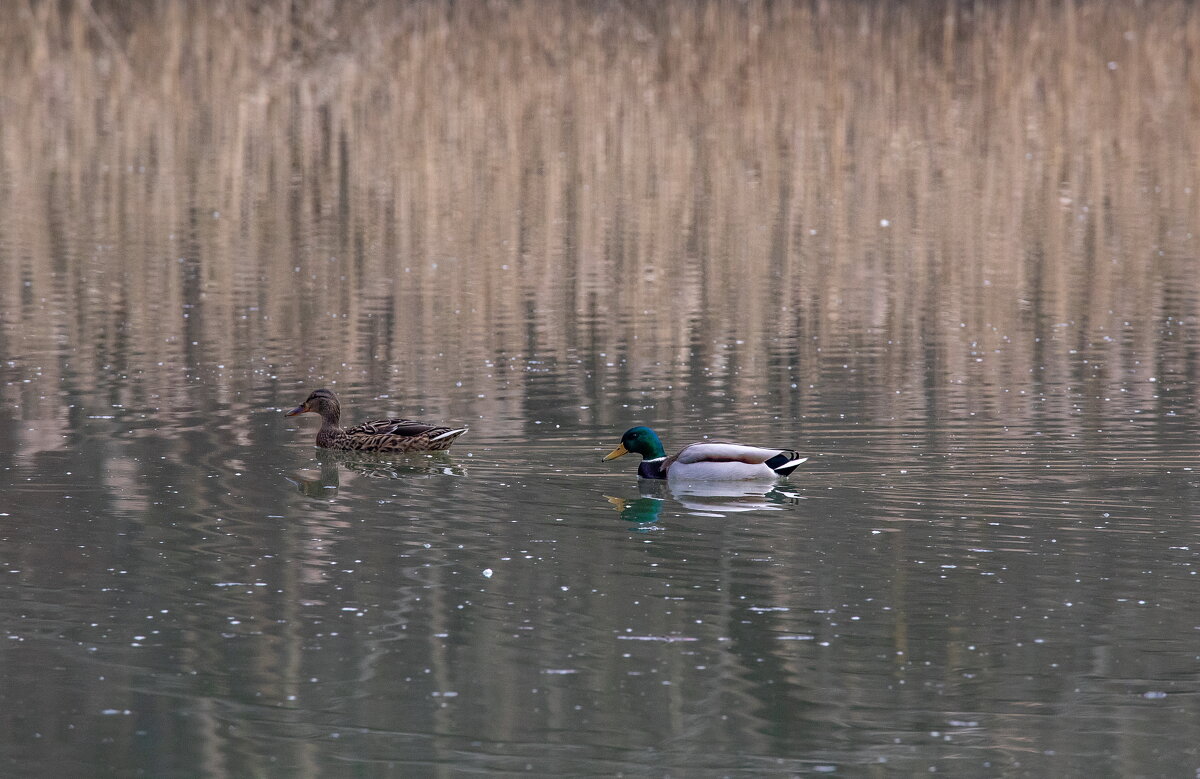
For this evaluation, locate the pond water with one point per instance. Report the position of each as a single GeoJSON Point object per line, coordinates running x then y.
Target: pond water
{"type": "Point", "coordinates": [947, 253]}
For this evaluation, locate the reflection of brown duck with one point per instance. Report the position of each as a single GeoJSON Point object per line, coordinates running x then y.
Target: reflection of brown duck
{"type": "Point", "coordinates": [378, 435]}
{"type": "Point", "coordinates": [324, 485]}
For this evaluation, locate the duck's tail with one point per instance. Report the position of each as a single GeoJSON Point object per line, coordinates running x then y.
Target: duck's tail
{"type": "Point", "coordinates": [449, 435]}
{"type": "Point", "coordinates": [785, 462]}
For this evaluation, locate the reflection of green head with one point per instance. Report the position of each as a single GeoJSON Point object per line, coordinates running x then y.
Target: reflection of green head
{"type": "Point", "coordinates": [640, 440]}
{"type": "Point", "coordinates": [639, 510]}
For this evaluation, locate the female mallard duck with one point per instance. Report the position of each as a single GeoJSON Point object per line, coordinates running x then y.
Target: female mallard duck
{"type": "Point", "coordinates": [707, 461]}
{"type": "Point", "coordinates": [378, 435]}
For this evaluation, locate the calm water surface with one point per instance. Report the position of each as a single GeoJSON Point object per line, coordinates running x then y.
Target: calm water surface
{"type": "Point", "coordinates": [947, 253]}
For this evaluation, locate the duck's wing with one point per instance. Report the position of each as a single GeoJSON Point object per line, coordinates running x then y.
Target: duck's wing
{"type": "Point", "coordinates": [782, 461]}
{"type": "Point", "coordinates": [399, 427]}
{"type": "Point", "coordinates": [724, 452]}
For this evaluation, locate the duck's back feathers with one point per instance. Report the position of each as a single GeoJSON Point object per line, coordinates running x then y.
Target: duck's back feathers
{"type": "Point", "coordinates": [413, 437]}
{"type": "Point", "coordinates": [724, 452]}
{"type": "Point", "coordinates": [403, 427]}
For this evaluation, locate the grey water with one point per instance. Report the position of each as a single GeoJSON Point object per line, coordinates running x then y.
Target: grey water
{"type": "Point", "coordinates": [947, 252]}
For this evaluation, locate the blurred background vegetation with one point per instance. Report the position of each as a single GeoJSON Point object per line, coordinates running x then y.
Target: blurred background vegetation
{"type": "Point", "coordinates": [348, 186]}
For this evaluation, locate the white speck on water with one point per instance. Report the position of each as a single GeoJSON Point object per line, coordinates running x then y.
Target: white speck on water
{"type": "Point", "coordinates": [666, 639]}
{"type": "Point", "coordinates": [487, 573]}
{"type": "Point", "coordinates": [884, 223]}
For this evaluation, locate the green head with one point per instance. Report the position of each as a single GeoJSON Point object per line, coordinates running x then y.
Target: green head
{"type": "Point", "coordinates": [640, 440]}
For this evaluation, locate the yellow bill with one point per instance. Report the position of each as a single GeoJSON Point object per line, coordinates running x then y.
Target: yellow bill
{"type": "Point", "coordinates": [615, 453]}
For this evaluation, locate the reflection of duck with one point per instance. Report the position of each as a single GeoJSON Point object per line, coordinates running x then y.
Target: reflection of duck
{"type": "Point", "coordinates": [378, 435]}
{"type": "Point", "coordinates": [324, 486]}
{"type": "Point", "coordinates": [642, 510]}
{"type": "Point", "coordinates": [706, 461]}
{"type": "Point", "coordinates": [388, 466]}
{"type": "Point", "coordinates": [372, 465]}
{"type": "Point", "coordinates": [729, 497]}
{"type": "Point", "coordinates": [710, 498]}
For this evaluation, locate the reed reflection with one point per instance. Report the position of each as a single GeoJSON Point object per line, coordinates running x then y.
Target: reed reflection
{"type": "Point", "coordinates": [939, 200]}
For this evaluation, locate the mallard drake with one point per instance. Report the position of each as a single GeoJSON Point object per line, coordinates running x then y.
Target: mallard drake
{"type": "Point", "coordinates": [378, 435]}
{"type": "Point", "coordinates": [705, 461]}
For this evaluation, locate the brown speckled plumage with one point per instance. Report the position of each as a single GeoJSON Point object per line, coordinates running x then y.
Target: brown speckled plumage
{"type": "Point", "coordinates": [378, 435]}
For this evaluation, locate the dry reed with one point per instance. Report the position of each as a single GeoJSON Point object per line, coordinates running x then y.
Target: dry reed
{"type": "Point", "coordinates": [366, 186]}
